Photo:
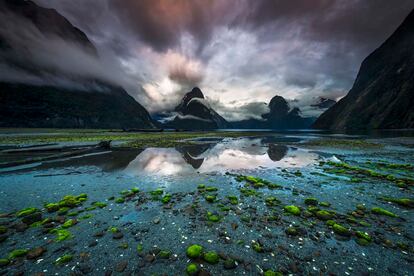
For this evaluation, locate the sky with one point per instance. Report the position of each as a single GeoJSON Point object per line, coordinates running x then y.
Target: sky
{"type": "Point", "coordinates": [240, 53]}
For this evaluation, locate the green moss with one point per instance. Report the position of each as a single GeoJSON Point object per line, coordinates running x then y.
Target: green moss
{"type": "Point", "coordinates": [157, 192]}
{"type": "Point", "coordinates": [292, 209]}
{"type": "Point", "coordinates": [291, 231]}
{"type": "Point", "coordinates": [3, 229]}
{"type": "Point", "coordinates": [341, 230]}
{"type": "Point", "coordinates": [272, 201]}
{"type": "Point", "coordinates": [233, 200]}
{"type": "Point", "coordinates": [248, 192]}
{"type": "Point", "coordinates": [120, 200]}
{"type": "Point", "coordinates": [364, 236]}
{"type": "Point", "coordinates": [405, 202]}
{"type": "Point", "coordinates": [73, 214]}
{"type": "Point", "coordinates": [135, 190]}
{"type": "Point", "coordinates": [192, 269]}
{"type": "Point", "coordinates": [164, 254]}
{"type": "Point", "coordinates": [211, 257]}
{"type": "Point", "coordinates": [165, 199]}
{"type": "Point", "coordinates": [213, 217]}
{"type": "Point", "coordinates": [69, 223]}
{"type": "Point", "coordinates": [71, 201]}
{"type": "Point", "coordinates": [140, 248]}
{"type": "Point", "coordinates": [26, 212]}
{"type": "Point", "coordinates": [272, 273]}
{"type": "Point", "coordinates": [324, 215]}
{"type": "Point", "coordinates": [210, 198]}
{"type": "Point", "coordinates": [383, 212]}
{"type": "Point", "coordinates": [88, 216]}
{"type": "Point", "coordinates": [211, 189]}
{"type": "Point", "coordinates": [330, 222]}
{"type": "Point", "coordinates": [4, 262]}
{"type": "Point", "coordinates": [257, 247]}
{"type": "Point", "coordinates": [100, 204]}
{"type": "Point", "coordinates": [194, 251]}
{"type": "Point", "coordinates": [324, 204]}
{"type": "Point", "coordinates": [18, 253]}
{"type": "Point", "coordinates": [63, 211]}
{"type": "Point", "coordinates": [61, 234]}
{"type": "Point", "coordinates": [64, 259]}
{"type": "Point", "coordinates": [113, 229]}
{"type": "Point", "coordinates": [52, 207]}
{"type": "Point", "coordinates": [311, 201]}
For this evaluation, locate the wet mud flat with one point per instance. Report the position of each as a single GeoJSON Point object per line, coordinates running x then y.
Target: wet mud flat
{"type": "Point", "coordinates": [276, 205]}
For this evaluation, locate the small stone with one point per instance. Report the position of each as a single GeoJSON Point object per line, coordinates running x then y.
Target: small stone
{"type": "Point", "coordinates": [121, 266]}
{"type": "Point", "coordinates": [117, 235]}
{"type": "Point", "coordinates": [32, 218]}
{"type": "Point", "coordinates": [93, 243]}
{"type": "Point", "coordinates": [149, 258]}
{"type": "Point", "coordinates": [21, 227]}
{"type": "Point", "coordinates": [230, 264]}
{"type": "Point", "coordinates": [156, 220]}
{"type": "Point", "coordinates": [35, 253]}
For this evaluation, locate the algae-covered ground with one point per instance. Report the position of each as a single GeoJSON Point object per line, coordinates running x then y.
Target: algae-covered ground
{"type": "Point", "coordinates": [218, 203]}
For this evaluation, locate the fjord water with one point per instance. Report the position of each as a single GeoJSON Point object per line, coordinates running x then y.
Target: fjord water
{"type": "Point", "coordinates": [256, 231]}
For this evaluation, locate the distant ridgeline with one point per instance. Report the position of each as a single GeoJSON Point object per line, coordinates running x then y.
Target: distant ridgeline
{"type": "Point", "coordinates": [194, 112]}
{"type": "Point", "coordinates": [100, 105]}
{"type": "Point", "coordinates": [382, 96]}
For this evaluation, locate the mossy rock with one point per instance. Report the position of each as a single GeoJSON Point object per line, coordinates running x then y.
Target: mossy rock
{"type": "Point", "coordinates": [272, 273]}
{"type": "Point", "coordinates": [330, 222]}
{"type": "Point", "coordinates": [64, 259]}
{"type": "Point", "coordinates": [292, 231]}
{"type": "Point", "coordinates": [210, 198]}
{"type": "Point", "coordinates": [405, 202]}
{"type": "Point", "coordinates": [69, 223]}
{"type": "Point", "coordinates": [383, 212]}
{"type": "Point", "coordinates": [341, 230]}
{"type": "Point", "coordinates": [192, 269]}
{"type": "Point", "coordinates": [120, 200]}
{"type": "Point", "coordinates": [157, 192]}
{"type": "Point", "coordinates": [3, 229]}
{"type": "Point", "coordinates": [257, 247]}
{"type": "Point", "coordinates": [324, 204]}
{"type": "Point", "coordinates": [61, 234]}
{"type": "Point", "coordinates": [233, 200]}
{"type": "Point", "coordinates": [52, 207]}
{"type": "Point", "coordinates": [26, 212]}
{"type": "Point", "coordinates": [63, 211]}
{"type": "Point", "coordinates": [4, 262]}
{"type": "Point", "coordinates": [211, 257]}
{"type": "Point", "coordinates": [324, 215]}
{"type": "Point", "coordinates": [311, 201]}
{"type": "Point", "coordinates": [194, 251]}
{"type": "Point", "coordinates": [99, 204]}
{"type": "Point", "coordinates": [292, 209]}
{"type": "Point", "coordinates": [211, 189]}
{"type": "Point", "coordinates": [272, 201]}
{"type": "Point", "coordinates": [213, 217]}
{"type": "Point", "coordinates": [164, 254]}
{"type": "Point", "coordinates": [363, 235]}
{"type": "Point", "coordinates": [166, 199]}
{"type": "Point", "coordinates": [18, 253]}
{"type": "Point", "coordinates": [201, 186]}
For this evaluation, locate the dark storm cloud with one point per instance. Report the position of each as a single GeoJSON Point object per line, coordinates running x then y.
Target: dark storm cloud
{"type": "Point", "coordinates": [249, 48]}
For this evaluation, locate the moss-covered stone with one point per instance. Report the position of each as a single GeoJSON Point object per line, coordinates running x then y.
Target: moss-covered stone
{"type": "Point", "coordinates": [26, 212]}
{"type": "Point", "coordinates": [292, 209]}
{"type": "Point", "coordinates": [210, 198]}
{"type": "Point", "coordinates": [405, 202]}
{"type": "Point", "coordinates": [324, 215]}
{"type": "Point", "coordinates": [363, 238]}
{"type": "Point", "coordinates": [257, 247]}
{"type": "Point", "coordinates": [61, 234]}
{"type": "Point", "coordinates": [18, 253]}
{"type": "Point", "coordinates": [213, 217]}
{"type": "Point", "coordinates": [311, 201]}
{"type": "Point", "coordinates": [211, 257]}
{"type": "Point", "coordinates": [272, 273]}
{"type": "Point", "coordinates": [164, 254]}
{"type": "Point", "coordinates": [99, 204]}
{"type": "Point", "coordinates": [324, 204]}
{"type": "Point", "coordinates": [330, 222]}
{"type": "Point", "coordinates": [341, 230]}
{"type": "Point", "coordinates": [63, 211]}
{"type": "Point", "coordinates": [69, 223]}
{"type": "Point", "coordinates": [233, 200]}
{"type": "Point", "coordinates": [192, 269]}
{"type": "Point", "coordinates": [3, 229]}
{"type": "Point", "coordinates": [120, 200]}
{"type": "Point", "coordinates": [166, 198]}
{"type": "Point", "coordinates": [64, 259]}
{"type": "Point", "coordinates": [194, 251]}
{"type": "Point", "coordinates": [291, 231]}
{"type": "Point", "coordinates": [211, 189]}
{"type": "Point", "coordinates": [201, 186]}
{"type": "Point", "coordinates": [52, 207]}
{"type": "Point", "coordinates": [4, 262]}
{"type": "Point", "coordinates": [272, 201]}
{"type": "Point", "coordinates": [383, 212]}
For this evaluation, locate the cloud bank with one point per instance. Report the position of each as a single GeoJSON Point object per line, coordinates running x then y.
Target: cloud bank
{"type": "Point", "coordinates": [240, 52]}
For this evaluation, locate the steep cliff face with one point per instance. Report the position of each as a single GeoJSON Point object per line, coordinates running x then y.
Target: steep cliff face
{"type": "Point", "coordinates": [194, 112]}
{"type": "Point", "coordinates": [382, 96]}
{"type": "Point", "coordinates": [91, 103]}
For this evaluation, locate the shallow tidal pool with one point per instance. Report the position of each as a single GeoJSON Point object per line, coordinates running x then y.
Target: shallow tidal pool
{"type": "Point", "coordinates": [277, 204]}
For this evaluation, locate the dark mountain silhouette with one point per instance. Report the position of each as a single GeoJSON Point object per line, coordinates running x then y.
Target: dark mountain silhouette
{"type": "Point", "coordinates": [194, 112]}
{"type": "Point", "coordinates": [280, 116]}
{"type": "Point", "coordinates": [382, 96]}
{"type": "Point", "coordinates": [95, 104]}
{"type": "Point", "coordinates": [323, 103]}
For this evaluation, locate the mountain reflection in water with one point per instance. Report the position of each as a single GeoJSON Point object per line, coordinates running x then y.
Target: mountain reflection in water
{"type": "Point", "coordinates": [205, 158]}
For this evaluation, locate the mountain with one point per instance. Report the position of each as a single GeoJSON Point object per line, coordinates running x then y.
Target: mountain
{"type": "Point", "coordinates": [194, 112]}
{"type": "Point", "coordinates": [280, 116]}
{"type": "Point", "coordinates": [32, 100]}
{"type": "Point", "coordinates": [382, 96]}
{"type": "Point", "coordinates": [323, 103]}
